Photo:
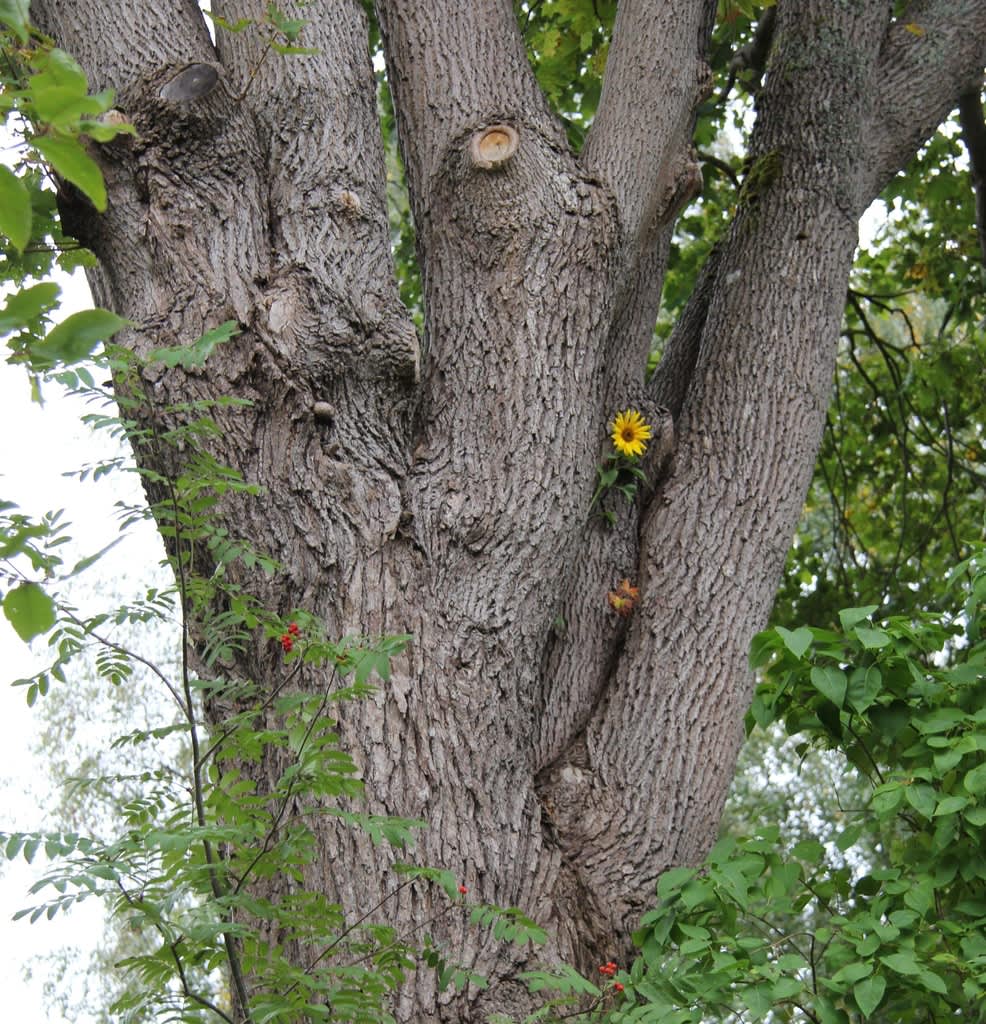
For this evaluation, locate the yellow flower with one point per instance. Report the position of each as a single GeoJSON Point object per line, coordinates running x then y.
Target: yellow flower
{"type": "Point", "coordinates": [630, 432]}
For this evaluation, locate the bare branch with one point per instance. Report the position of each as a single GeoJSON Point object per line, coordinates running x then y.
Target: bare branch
{"type": "Point", "coordinates": [933, 54]}
{"type": "Point", "coordinates": [974, 136]}
{"type": "Point", "coordinates": [753, 56]}
{"type": "Point", "coordinates": [655, 76]}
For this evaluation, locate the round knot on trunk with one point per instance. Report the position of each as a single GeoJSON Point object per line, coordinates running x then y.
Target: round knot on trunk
{"type": "Point", "coordinates": [493, 146]}
{"type": "Point", "coordinates": [191, 83]}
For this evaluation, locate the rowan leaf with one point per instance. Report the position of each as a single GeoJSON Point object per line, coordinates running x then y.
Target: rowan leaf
{"type": "Point", "coordinates": [75, 338]}
{"type": "Point", "coordinates": [15, 209]}
{"type": "Point", "coordinates": [29, 610]}
{"type": "Point", "coordinates": [69, 160]}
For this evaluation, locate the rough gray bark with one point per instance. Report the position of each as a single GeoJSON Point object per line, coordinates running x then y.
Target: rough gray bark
{"type": "Point", "coordinates": [974, 136]}
{"type": "Point", "coordinates": [561, 767]}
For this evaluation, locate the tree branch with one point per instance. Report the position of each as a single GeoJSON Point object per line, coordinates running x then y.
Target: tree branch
{"type": "Point", "coordinates": [932, 54]}
{"type": "Point", "coordinates": [753, 56]}
{"type": "Point", "coordinates": [317, 114]}
{"type": "Point", "coordinates": [180, 253]}
{"type": "Point", "coordinates": [749, 371]}
{"type": "Point", "coordinates": [974, 137]}
{"type": "Point", "coordinates": [639, 145]}
{"type": "Point", "coordinates": [169, 31]}
{"type": "Point", "coordinates": [655, 76]}
{"type": "Point", "coordinates": [669, 383]}
{"type": "Point", "coordinates": [454, 67]}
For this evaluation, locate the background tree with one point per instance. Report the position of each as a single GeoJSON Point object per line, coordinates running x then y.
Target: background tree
{"type": "Point", "coordinates": [440, 484]}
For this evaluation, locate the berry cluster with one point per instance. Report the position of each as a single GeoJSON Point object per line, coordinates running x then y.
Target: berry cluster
{"type": "Point", "coordinates": [609, 969]}
{"type": "Point", "coordinates": [288, 639]}
{"type": "Point", "coordinates": [462, 890]}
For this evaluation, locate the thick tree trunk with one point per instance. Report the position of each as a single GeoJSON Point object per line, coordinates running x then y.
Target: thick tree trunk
{"type": "Point", "coordinates": [562, 758]}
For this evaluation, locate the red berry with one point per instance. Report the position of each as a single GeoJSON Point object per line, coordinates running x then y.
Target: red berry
{"type": "Point", "coordinates": [617, 986]}
{"type": "Point", "coordinates": [462, 890]}
{"type": "Point", "coordinates": [293, 629]}
{"type": "Point", "coordinates": [287, 642]}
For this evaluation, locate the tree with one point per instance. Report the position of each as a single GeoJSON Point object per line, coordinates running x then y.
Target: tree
{"type": "Point", "coordinates": [439, 483]}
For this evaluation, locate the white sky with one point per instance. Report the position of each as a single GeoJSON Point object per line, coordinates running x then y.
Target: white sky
{"type": "Point", "coordinates": [38, 445]}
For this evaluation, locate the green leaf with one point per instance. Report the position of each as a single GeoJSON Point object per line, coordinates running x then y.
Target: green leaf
{"type": "Point", "coordinates": [63, 69]}
{"type": "Point", "coordinates": [950, 805]}
{"type": "Point", "coordinates": [784, 989]}
{"type": "Point", "coordinates": [831, 682]}
{"type": "Point", "coordinates": [848, 837]}
{"type": "Point", "coordinates": [810, 850]}
{"type": "Point", "coordinates": [15, 14]}
{"type": "Point", "coordinates": [868, 993]}
{"type": "Point", "coordinates": [59, 93]}
{"type": "Point", "coordinates": [932, 982]}
{"type": "Point", "coordinates": [902, 963]}
{"type": "Point", "coordinates": [230, 26]}
{"type": "Point", "coordinates": [797, 641]}
{"type": "Point", "coordinates": [290, 27]}
{"type": "Point", "coordinates": [975, 780]}
{"type": "Point", "coordinates": [196, 354]}
{"type": "Point", "coordinates": [758, 1000]}
{"type": "Point", "coordinates": [940, 720]}
{"type": "Point", "coordinates": [15, 209]}
{"type": "Point", "coordinates": [887, 798]}
{"type": "Point", "coordinates": [850, 616]}
{"type": "Point", "coordinates": [853, 972]}
{"type": "Point", "coordinates": [69, 159]}
{"type": "Point", "coordinates": [29, 610]}
{"type": "Point", "coordinates": [864, 685]}
{"type": "Point", "coordinates": [871, 638]}
{"type": "Point", "coordinates": [27, 305]}
{"type": "Point", "coordinates": [922, 798]}
{"type": "Point", "coordinates": [76, 336]}
{"type": "Point", "coordinates": [976, 816]}
{"type": "Point", "coordinates": [672, 880]}
{"type": "Point", "coordinates": [920, 897]}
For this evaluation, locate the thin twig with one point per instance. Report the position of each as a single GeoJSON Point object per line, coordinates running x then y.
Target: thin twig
{"type": "Point", "coordinates": [232, 955]}
{"type": "Point", "coordinates": [120, 649]}
{"type": "Point", "coordinates": [348, 930]}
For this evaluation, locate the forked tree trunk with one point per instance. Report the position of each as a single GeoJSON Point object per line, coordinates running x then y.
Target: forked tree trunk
{"type": "Point", "coordinates": [440, 486]}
